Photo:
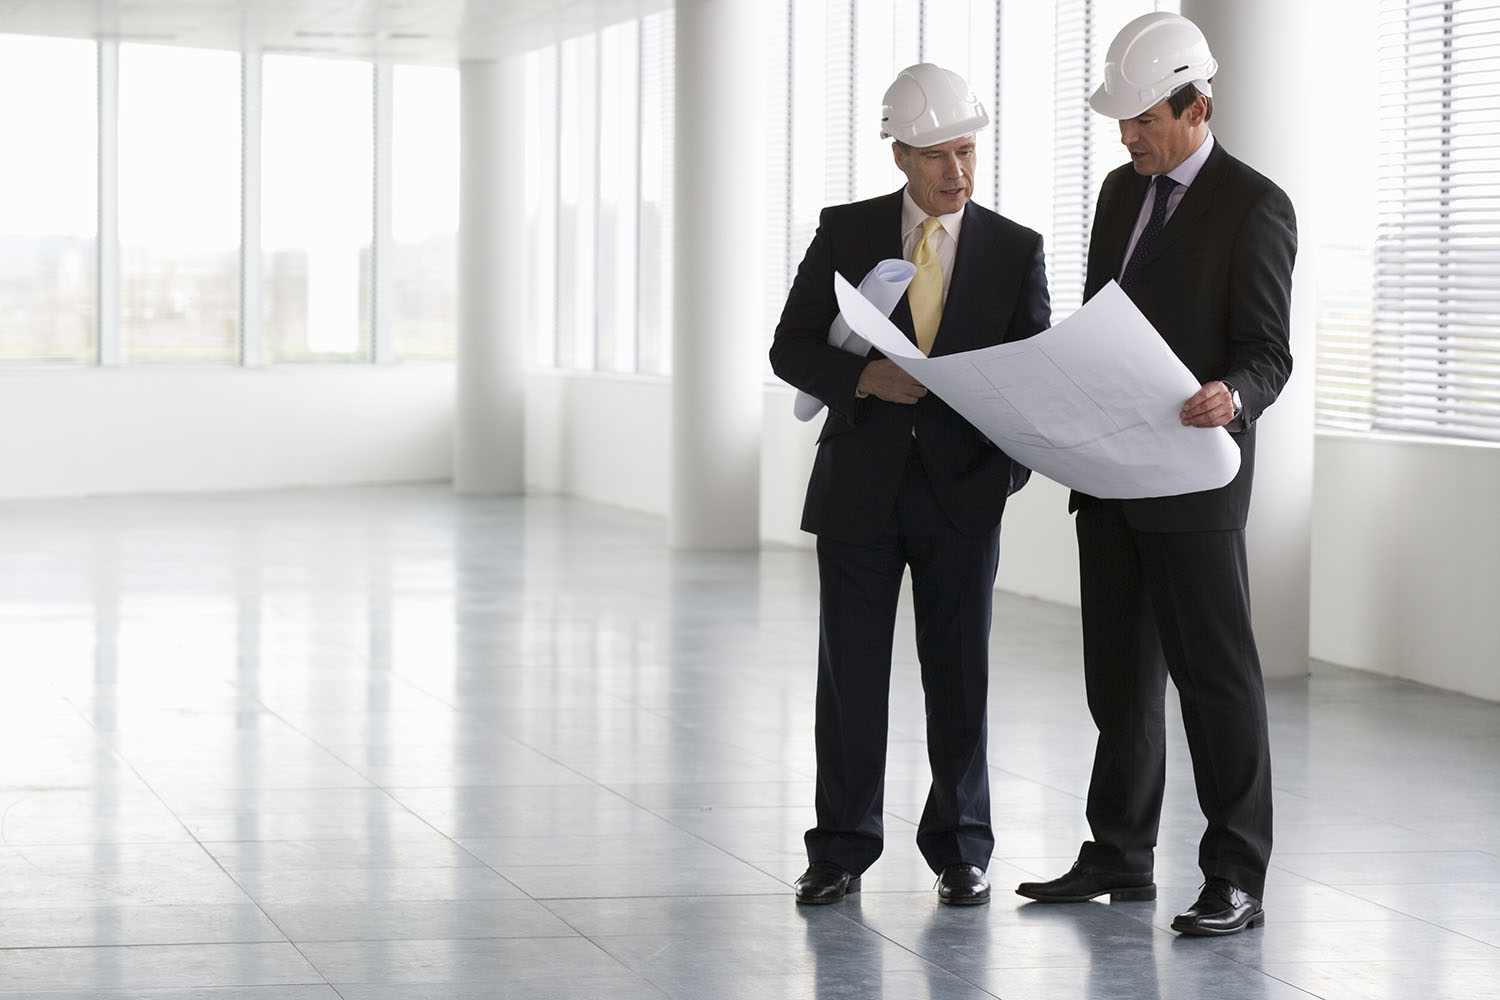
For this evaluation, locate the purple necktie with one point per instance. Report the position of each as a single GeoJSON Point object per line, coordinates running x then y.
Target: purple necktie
{"type": "Point", "coordinates": [1164, 186]}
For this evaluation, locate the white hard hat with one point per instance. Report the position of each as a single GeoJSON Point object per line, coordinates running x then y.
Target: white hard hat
{"type": "Point", "coordinates": [1150, 59]}
{"type": "Point", "coordinates": [928, 105]}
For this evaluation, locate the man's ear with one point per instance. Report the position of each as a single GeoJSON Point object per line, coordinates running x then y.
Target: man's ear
{"type": "Point", "coordinates": [1198, 111]}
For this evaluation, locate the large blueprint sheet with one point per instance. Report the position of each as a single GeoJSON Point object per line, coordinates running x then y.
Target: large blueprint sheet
{"type": "Point", "coordinates": [1092, 403]}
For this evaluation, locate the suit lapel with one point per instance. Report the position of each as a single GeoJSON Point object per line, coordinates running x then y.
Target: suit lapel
{"type": "Point", "coordinates": [885, 236]}
{"type": "Point", "coordinates": [973, 247]}
{"type": "Point", "coordinates": [1116, 223]}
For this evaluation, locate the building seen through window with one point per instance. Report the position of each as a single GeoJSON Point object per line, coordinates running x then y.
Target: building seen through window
{"type": "Point", "coordinates": [48, 214]}
{"type": "Point", "coordinates": [174, 194]}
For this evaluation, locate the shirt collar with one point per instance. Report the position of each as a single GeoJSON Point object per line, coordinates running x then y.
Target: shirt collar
{"type": "Point", "coordinates": [1187, 171]}
{"type": "Point", "coordinates": [912, 217]}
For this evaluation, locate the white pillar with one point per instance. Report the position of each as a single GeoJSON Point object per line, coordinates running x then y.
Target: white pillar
{"type": "Point", "coordinates": [719, 343]}
{"type": "Point", "coordinates": [489, 433]}
{"type": "Point", "coordinates": [1256, 94]}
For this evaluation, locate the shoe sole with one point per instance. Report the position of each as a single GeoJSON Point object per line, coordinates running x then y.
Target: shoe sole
{"type": "Point", "coordinates": [965, 901]}
{"type": "Point", "coordinates": [825, 900]}
{"type": "Point", "coordinates": [1125, 894]}
{"type": "Point", "coordinates": [1189, 930]}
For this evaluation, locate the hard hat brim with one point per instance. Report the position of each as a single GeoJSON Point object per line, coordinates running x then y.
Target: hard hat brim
{"type": "Point", "coordinates": [1119, 107]}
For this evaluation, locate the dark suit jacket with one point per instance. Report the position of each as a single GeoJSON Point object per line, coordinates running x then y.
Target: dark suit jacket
{"type": "Point", "coordinates": [1217, 285]}
{"type": "Point", "coordinates": [998, 293]}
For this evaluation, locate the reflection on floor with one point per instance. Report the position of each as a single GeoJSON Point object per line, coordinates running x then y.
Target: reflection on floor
{"type": "Point", "coordinates": [389, 743]}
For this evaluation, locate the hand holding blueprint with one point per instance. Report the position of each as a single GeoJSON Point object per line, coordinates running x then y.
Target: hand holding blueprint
{"type": "Point", "coordinates": [884, 286]}
{"type": "Point", "coordinates": [1092, 403]}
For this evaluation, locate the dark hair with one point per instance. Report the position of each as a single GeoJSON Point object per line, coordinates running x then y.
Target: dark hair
{"type": "Point", "coordinates": [1183, 99]}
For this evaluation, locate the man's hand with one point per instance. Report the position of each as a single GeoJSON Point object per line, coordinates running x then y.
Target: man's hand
{"type": "Point", "coordinates": [885, 380]}
{"type": "Point", "coordinates": [1210, 406]}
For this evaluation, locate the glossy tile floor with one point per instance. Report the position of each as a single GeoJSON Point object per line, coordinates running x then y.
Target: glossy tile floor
{"type": "Point", "coordinates": [387, 744]}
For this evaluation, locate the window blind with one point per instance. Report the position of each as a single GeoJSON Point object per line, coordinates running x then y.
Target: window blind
{"type": "Point", "coordinates": [1074, 183]}
{"type": "Point", "coordinates": [1435, 360]}
{"type": "Point", "coordinates": [1086, 145]}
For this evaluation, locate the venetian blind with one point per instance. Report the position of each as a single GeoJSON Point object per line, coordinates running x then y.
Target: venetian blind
{"type": "Point", "coordinates": [1086, 145]}
{"type": "Point", "coordinates": [1435, 362]}
{"type": "Point", "coordinates": [1074, 183]}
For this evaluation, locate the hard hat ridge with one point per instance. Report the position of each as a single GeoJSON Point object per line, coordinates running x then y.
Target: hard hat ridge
{"type": "Point", "coordinates": [1152, 57]}
{"type": "Point", "coordinates": [928, 105]}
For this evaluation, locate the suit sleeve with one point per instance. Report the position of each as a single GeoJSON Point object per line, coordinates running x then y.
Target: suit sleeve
{"type": "Point", "coordinates": [1034, 305]}
{"type": "Point", "coordinates": [1260, 283]}
{"type": "Point", "coordinates": [800, 352]}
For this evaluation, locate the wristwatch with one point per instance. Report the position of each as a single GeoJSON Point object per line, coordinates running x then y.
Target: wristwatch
{"type": "Point", "coordinates": [1234, 398]}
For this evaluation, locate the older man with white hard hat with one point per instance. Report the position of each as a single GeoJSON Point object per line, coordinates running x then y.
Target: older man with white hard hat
{"type": "Point", "coordinates": [902, 481]}
{"type": "Point", "coordinates": [1204, 247]}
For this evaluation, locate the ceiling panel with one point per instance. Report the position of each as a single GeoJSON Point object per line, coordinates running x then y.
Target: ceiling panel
{"type": "Point", "coordinates": [424, 31]}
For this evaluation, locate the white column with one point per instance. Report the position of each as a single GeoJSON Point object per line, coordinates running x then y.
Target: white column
{"type": "Point", "coordinates": [718, 344]}
{"type": "Point", "coordinates": [1256, 94]}
{"type": "Point", "coordinates": [489, 432]}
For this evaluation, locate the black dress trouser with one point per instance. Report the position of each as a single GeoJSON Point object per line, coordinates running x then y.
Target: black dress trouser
{"type": "Point", "coordinates": [953, 578]}
{"type": "Point", "coordinates": [1173, 603]}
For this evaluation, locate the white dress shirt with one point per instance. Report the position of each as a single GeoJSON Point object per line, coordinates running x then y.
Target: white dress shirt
{"type": "Point", "coordinates": [1184, 174]}
{"type": "Point", "coordinates": [946, 238]}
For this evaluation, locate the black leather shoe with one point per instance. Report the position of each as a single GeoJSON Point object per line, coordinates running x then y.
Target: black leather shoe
{"type": "Point", "coordinates": [825, 882]}
{"type": "Point", "coordinates": [1222, 908]}
{"type": "Point", "coordinates": [1084, 882]}
{"type": "Point", "coordinates": [963, 885]}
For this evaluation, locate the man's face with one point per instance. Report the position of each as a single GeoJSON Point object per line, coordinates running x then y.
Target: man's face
{"type": "Point", "coordinates": [1158, 142]}
{"type": "Point", "coordinates": [940, 178]}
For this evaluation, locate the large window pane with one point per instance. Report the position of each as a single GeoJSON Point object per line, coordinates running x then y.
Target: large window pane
{"type": "Point", "coordinates": [619, 195]}
{"type": "Point", "coordinates": [48, 199]}
{"type": "Point", "coordinates": [1436, 364]}
{"type": "Point", "coordinates": [423, 275]}
{"type": "Point", "coordinates": [1086, 145]}
{"type": "Point", "coordinates": [658, 144]}
{"type": "Point", "coordinates": [1024, 119]}
{"type": "Point", "coordinates": [882, 48]}
{"type": "Point", "coordinates": [317, 216]}
{"type": "Point", "coordinates": [179, 149]}
{"type": "Point", "coordinates": [811, 125]}
{"type": "Point", "coordinates": [577, 196]}
{"type": "Point", "coordinates": [541, 204]}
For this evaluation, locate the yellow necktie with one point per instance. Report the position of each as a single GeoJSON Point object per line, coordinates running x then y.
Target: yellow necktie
{"type": "Point", "coordinates": [925, 293]}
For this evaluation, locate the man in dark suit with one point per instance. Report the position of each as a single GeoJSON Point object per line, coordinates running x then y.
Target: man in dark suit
{"type": "Point", "coordinates": [900, 480]}
{"type": "Point", "coordinates": [1206, 254]}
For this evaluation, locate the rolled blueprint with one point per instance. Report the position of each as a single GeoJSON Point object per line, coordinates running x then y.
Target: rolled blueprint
{"type": "Point", "coordinates": [883, 286]}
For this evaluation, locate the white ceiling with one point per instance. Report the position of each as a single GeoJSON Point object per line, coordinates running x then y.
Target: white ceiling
{"type": "Point", "coordinates": [424, 31]}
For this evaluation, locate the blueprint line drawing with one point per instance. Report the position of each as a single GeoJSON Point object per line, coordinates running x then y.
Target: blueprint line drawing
{"type": "Point", "coordinates": [1092, 403]}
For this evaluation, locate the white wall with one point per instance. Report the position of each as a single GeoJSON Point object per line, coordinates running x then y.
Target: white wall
{"type": "Point", "coordinates": [78, 432]}
{"type": "Point", "coordinates": [1406, 545]}
{"type": "Point", "coordinates": [605, 438]}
